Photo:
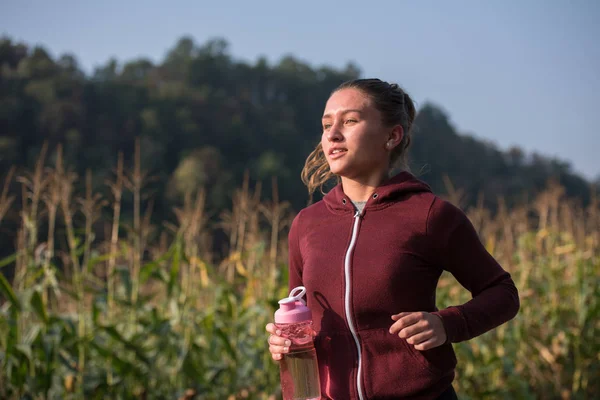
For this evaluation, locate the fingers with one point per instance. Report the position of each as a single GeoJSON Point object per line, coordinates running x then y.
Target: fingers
{"type": "Point", "coordinates": [421, 329]}
{"type": "Point", "coordinates": [396, 317]}
{"type": "Point", "coordinates": [414, 329]}
{"type": "Point", "coordinates": [420, 337]}
{"type": "Point", "coordinates": [277, 350]}
{"type": "Point", "coordinates": [272, 329]}
{"type": "Point", "coordinates": [404, 320]}
{"type": "Point", "coordinates": [277, 345]}
{"type": "Point", "coordinates": [428, 344]}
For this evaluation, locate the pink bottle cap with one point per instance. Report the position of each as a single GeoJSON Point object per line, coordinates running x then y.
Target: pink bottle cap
{"type": "Point", "coordinates": [292, 309]}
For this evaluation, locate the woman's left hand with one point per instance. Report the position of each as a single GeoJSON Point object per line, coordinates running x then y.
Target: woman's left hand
{"type": "Point", "coordinates": [421, 329]}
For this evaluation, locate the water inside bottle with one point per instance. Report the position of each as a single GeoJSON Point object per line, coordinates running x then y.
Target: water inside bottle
{"type": "Point", "coordinates": [299, 369]}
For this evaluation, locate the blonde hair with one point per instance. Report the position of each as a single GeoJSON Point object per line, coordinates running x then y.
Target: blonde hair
{"type": "Point", "coordinates": [396, 107]}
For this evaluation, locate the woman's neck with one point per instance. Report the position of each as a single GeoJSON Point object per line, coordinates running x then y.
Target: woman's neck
{"type": "Point", "coordinates": [360, 189]}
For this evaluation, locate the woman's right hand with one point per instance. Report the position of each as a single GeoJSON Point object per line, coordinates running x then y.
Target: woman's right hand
{"type": "Point", "coordinates": [277, 345]}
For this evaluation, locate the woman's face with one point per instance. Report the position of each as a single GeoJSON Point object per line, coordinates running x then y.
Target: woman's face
{"type": "Point", "coordinates": [354, 136]}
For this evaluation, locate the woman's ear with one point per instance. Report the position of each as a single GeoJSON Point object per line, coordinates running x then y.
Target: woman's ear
{"type": "Point", "coordinates": [395, 137]}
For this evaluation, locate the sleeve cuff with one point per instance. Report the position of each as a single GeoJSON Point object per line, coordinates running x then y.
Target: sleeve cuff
{"type": "Point", "coordinates": [453, 322]}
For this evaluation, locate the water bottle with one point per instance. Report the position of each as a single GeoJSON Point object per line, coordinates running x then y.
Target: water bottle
{"type": "Point", "coordinates": [298, 369]}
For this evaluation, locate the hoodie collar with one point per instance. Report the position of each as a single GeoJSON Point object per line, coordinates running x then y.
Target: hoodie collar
{"type": "Point", "coordinates": [401, 184]}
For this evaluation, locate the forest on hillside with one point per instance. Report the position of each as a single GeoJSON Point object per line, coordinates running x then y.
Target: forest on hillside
{"type": "Point", "coordinates": [205, 119]}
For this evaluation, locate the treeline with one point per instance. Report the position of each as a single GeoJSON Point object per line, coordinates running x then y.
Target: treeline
{"type": "Point", "coordinates": [204, 119]}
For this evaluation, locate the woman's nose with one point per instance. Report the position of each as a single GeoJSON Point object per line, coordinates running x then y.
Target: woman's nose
{"type": "Point", "coordinates": [334, 134]}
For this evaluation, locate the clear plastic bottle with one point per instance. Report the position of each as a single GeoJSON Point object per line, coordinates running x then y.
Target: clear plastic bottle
{"type": "Point", "coordinates": [299, 369]}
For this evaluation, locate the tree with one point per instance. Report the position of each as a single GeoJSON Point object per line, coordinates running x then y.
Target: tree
{"type": "Point", "coordinates": [205, 119]}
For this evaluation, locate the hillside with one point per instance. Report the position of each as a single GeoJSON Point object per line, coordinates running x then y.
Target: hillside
{"type": "Point", "coordinates": [205, 118]}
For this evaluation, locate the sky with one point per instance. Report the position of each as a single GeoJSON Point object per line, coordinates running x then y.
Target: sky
{"type": "Point", "coordinates": [511, 72]}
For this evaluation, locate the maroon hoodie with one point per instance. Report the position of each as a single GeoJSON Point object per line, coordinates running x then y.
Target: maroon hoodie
{"type": "Point", "coordinates": [359, 270]}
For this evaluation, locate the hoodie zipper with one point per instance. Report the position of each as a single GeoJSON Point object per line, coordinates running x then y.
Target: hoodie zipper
{"type": "Point", "coordinates": [348, 282]}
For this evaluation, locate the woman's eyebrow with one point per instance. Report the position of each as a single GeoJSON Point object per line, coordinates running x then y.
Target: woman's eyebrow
{"type": "Point", "coordinates": [328, 115]}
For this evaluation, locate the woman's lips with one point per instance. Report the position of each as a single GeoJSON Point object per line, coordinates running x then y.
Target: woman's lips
{"type": "Point", "coordinates": [337, 153]}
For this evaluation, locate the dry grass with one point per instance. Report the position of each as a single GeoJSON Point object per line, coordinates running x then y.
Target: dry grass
{"type": "Point", "coordinates": [135, 317]}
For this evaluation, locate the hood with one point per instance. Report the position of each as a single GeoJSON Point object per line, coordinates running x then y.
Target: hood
{"type": "Point", "coordinates": [397, 186]}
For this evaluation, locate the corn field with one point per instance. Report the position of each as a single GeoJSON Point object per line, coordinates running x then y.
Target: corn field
{"type": "Point", "coordinates": [146, 312]}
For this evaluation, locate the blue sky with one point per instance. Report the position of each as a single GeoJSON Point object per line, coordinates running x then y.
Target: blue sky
{"type": "Point", "coordinates": [511, 72]}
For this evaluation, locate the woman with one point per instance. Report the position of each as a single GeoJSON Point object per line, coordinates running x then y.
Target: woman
{"type": "Point", "coordinates": [370, 255]}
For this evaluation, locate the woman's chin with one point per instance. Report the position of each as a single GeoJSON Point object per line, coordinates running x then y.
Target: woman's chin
{"type": "Point", "coordinates": [342, 172]}
{"type": "Point", "coordinates": [338, 167]}
{"type": "Point", "coordinates": [335, 169]}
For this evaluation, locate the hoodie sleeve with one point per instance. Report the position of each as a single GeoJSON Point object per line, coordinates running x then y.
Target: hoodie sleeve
{"type": "Point", "coordinates": [495, 299]}
{"type": "Point", "coordinates": [294, 255]}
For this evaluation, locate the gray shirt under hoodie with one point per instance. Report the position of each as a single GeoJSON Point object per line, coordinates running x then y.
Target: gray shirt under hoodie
{"type": "Point", "coordinates": [359, 205]}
